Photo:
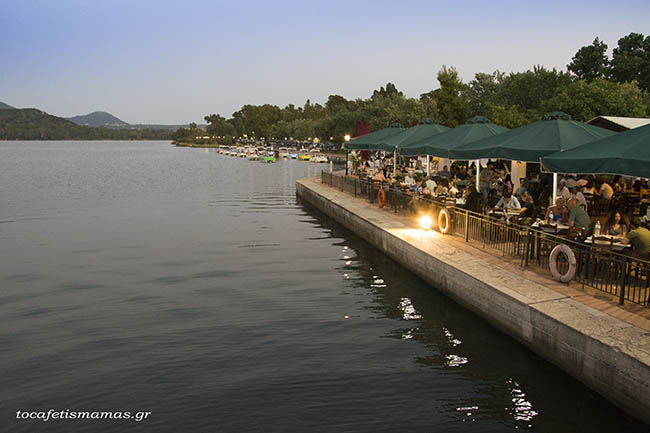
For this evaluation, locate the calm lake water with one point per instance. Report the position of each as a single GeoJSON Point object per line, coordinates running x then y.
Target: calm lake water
{"type": "Point", "coordinates": [137, 276]}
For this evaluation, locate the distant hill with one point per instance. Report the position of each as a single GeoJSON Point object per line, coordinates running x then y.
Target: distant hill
{"type": "Point", "coordinates": [98, 118]}
{"type": "Point", "coordinates": [33, 124]}
{"type": "Point", "coordinates": [107, 120]}
{"type": "Point", "coordinates": [4, 106]}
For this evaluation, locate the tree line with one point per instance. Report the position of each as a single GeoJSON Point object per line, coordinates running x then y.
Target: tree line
{"type": "Point", "coordinates": [594, 85]}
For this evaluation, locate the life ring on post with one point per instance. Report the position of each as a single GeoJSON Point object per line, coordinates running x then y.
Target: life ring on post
{"type": "Point", "coordinates": [381, 197]}
{"type": "Point", "coordinates": [444, 218]}
{"type": "Point", "coordinates": [571, 258]}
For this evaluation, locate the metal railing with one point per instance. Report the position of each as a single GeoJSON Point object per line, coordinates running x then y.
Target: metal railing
{"type": "Point", "coordinates": [601, 268]}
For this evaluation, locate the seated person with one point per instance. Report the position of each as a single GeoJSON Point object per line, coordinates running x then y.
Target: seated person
{"type": "Point", "coordinates": [408, 180]}
{"type": "Point", "coordinates": [453, 191]}
{"type": "Point", "coordinates": [442, 189]}
{"type": "Point", "coordinates": [589, 188]}
{"type": "Point", "coordinates": [578, 217]}
{"type": "Point", "coordinates": [379, 176]}
{"type": "Point", "coordinates": [523, 188]}
{"type": "Point", "coordinates": [444, 172]}
{"type": "Point", "coordinates": [430, 184]}
{"type": "Point", "coordinates": [508, 201]}
{"type": "Point", "coordinates": [615, 226]}
{"type": "Point", "coordinates": [560, 212]}
{"type": "Point", "coordinates": [527, 204]}
{"type": "Point", "coordinates": [605, 191]}
{"type": "Point", "coordinates": [418, 187]}
{"type": "Point", "coordinates": [580, 198]}
{"type": "Point", "coordinates": [462, 175]}
{"type": "Point", "coordinates": [472, 199]}
{"type": "Point", "coordinates": [639, 238]}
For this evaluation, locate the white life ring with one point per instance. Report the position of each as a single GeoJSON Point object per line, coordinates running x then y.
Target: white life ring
{"type": "Point", "coordinates": [444, 216]}
{"type": "Point", "coordinates": [571, 258]}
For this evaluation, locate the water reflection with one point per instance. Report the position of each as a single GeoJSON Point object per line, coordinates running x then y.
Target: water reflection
{"type": "Point", "coordinates": [456, 343]}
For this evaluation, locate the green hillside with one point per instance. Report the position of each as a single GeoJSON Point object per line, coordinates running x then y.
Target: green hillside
{"type": "Point", "coordinates": [97, 119]}
{"type": "Point", "coordinates": [33, 124]}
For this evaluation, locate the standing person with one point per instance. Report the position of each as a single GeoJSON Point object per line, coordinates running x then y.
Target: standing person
{"type": "Point", "coordinates": [639, 238]}
{"type": "Point", "coordinates": [485, 176]}
{"type": "Point", "coordinates": [564, 191]}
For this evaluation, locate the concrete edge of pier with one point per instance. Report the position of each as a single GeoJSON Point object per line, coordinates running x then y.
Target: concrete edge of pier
{"type": "Point", "coordinates": [605, 353]}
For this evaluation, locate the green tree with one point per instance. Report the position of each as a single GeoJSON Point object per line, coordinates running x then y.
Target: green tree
{"type": "Point", "coordinates": [590, 62]}
{"type": "Point", "coordinates": [530, 89]}
{"type": "Point", "coordinates": [583, 101]}
{"type": "Point", "coordinates": [218, 125]}
{"type": "Point", "coordinates": [482, 90]}
{"type": "Point", "coordinates": [452, 106]}
{"type": "Point", "coordinates": [508, 116]}
{"type": "Point", "coordinates": [631, 60]}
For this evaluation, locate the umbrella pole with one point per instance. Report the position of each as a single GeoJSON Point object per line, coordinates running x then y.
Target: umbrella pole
{"type": "Point", "coordinates": [428, 166]}
{"type": "Point", "coordinates": [395, 163]}
{"type": "Point", "coordinates": [346, 162]}
{"type": "Point", "coordinates": [554, 187]}
{"type": "Point", "coordinates": [478, 169]}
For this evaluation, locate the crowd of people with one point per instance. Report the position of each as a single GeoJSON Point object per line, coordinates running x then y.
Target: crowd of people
{"type": "Point", "coordinates": [580, 201]}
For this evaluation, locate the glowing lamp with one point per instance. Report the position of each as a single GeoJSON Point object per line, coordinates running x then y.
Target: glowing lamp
{"type": "Point", "coordinates": [425, 222]}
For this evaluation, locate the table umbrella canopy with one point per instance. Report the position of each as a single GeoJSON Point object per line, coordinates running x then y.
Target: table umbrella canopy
{"type": "Point", "coordinates": [439, 145]}
{"type": "Point", "coordinates": [427, 128]}
{"type": "Point", "coordinates": [626, 153]}
{"type": "Point", "coordinates": [556, 132]}
{"type": "Point", "coordinates": [371, 141]}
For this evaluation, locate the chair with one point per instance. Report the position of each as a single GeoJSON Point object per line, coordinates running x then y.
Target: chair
{"type": "Point", "coordinates": [576, 233]}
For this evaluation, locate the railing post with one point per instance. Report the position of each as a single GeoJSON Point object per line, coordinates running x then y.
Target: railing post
{"type": "Point", "coordinates": [466, 226]}
{"type": "Point", "coordinates": [621, 297]}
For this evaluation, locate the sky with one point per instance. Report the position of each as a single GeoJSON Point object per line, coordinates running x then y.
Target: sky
{"type": "Point", "coordinates": [173, 62]}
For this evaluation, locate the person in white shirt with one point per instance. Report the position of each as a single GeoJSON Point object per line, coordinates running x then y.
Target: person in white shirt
{"type": "Point", "coordinates": [431, 185]}
{"type": "Point", "coordinates": [564, 191]}
{"type": "Point", "coordinates": [508, 201]}
{"type": "Point", "coordinates": [453, 191]}
{"type": "Point", "coordinates": [575, 193]}
{"type": "Point", "coordinates": [408, 180]}
{"type": "Point", "coordinates": [606, 191]}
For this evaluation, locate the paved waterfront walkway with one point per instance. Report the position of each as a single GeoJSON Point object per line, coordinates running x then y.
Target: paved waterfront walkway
{"type": "Point", "coordinates": [633, 314]}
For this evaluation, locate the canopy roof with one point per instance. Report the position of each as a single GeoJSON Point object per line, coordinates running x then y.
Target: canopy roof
{"type": "Point", "coordinates": [626, 153]}
{"type": "Point", "coordinates": [556, 132]}
{"type": "Point", "coordinates": [372, 140]}
{"type": "Point", "coordinates": [476, 128]}
{"type": "Point", "coordinates": [427, 128]}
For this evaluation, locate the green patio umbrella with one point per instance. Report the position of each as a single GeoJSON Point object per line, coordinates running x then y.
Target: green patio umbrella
{"type": "Point", "coordinates": [626, 153]}
{"type": "Point", "coordinates": [554, 133]}
{"type": "Point", "coordinates": [476, 128]}
{"type": "Point", "coordinates": [372, 140]}
{"type": "Point", "coordinates": [427, 128]}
